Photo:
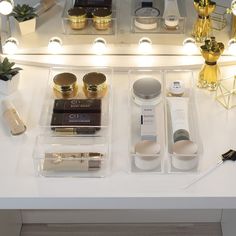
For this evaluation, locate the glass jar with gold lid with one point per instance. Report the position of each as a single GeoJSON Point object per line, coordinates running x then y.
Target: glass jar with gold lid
{"type": "Point", "coordinates": [102, 18]}
{"type": "Point", "coordinates": [77, 18]}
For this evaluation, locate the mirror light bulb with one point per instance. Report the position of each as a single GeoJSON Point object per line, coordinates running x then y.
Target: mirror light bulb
{"type": "Point", "coordinates": [10, 46]}
{"type": "Point", "coordinates": [6, 7]}
{"type": "Point", "coordinates": [55, 45]}
{"type": "Point", "coordinates": [189, 46]}
{"type": "Point", "coordinates": [99, 46]}
{"type": "Point", "coordinates": [233, 7]}
{"type": "Point", "coordinates": [232, 46]}
{"type": "Point", "coordinates": [145, 45]}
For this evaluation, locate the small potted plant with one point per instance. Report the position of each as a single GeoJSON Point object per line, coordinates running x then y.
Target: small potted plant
{"type": "Point", "coordinates": [25, 17]}
{"type": "Point", "coordinates": [9, 77]}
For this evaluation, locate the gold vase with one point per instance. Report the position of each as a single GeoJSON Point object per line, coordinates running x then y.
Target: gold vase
{"type": "Point", "coordinates": [203, 26]}
{"type": "Point", "coordinates": [210, 72]}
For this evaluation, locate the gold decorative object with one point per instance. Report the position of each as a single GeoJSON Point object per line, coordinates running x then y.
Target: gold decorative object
{"type": "Point", "coordinates": [210, 72]}
{"type": "Point", "coordinates": [226, 92]}
{"type": "Point", "coordinates": [203, 25]}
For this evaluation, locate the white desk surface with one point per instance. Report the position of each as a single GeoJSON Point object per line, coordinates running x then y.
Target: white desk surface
{"type": "Point", "coordinates": [21, 189]}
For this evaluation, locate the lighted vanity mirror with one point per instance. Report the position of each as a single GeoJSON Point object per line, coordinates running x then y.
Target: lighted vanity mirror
{"type": "Point", "coordinates": [117, 26]}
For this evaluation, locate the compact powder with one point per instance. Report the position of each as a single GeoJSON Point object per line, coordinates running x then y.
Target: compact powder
{"type": "Point", "coordinates": [146, 90]}
{"type": "Point", "coordinates": [187, 151]}
{"type": "Point", "coordinates": [146, 18]}
{"type": "Point", "coordinates": [94, 85]}
{"type": "Point", "coordinates": [147, 155]}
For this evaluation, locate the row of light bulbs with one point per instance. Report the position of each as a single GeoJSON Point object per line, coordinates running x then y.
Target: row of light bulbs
{"type": "Point", "coordinates": [99, 46]}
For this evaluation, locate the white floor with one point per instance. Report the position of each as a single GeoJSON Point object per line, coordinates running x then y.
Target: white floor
{"type": "Point", "coordinates": [180, 229]}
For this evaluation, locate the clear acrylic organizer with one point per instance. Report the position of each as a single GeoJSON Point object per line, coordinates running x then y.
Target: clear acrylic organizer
{"type": "Point", "coordinates": [89, 29]}
{"type": "Point", "coordinates": [75, 150]}
{"type": "Point", "coordinates": [189, 157]}
{"type": "Point", "coordinates": [145, 162]}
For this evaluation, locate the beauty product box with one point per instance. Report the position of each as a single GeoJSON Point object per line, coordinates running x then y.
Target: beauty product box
{"type": "Point", "coordinates": [87, 20]}
{"type": "Point", "coordinates": [147, 17]}
{"type": "Point", "coordinates": [146, 120]}
{"type": "Point", "coordinates": [75, 123]}
{"type": "Point", "coordinates": [184, 147]}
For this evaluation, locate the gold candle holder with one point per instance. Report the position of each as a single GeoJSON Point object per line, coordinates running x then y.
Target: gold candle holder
{"type": "Point", "coordinates": [203, 25]}
{"type": "Point", "coordinates": [210, 72]}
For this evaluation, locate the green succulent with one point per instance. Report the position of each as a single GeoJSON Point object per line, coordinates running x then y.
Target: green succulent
{"type": "Point", "coordinates": [24, 12]}
{"type": "Point", "coordinates": [6, 70]}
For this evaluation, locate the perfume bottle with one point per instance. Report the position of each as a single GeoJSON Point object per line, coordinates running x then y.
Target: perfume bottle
{"type": "Point", "coordinates": [203, 25]}
{"type": "Point", "coordinates": [210, 73]}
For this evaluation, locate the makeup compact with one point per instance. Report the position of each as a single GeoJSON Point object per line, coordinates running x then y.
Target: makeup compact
{"type": "Point", "coordinates": [65, 85]}
{"type": "Point", "coordinates": [146, 18]}
{"type": "Point", "coordinates": [95, 85]}
{"type": "Point", "coordinates": [77, 17]}
{"type": "Point", "coordinates": [102, 18]}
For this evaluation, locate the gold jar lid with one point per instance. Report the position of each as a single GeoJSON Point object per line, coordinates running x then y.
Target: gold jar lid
{"type": "Point", "coordinates": [65, 84]}
{"type": "Point", "coordinates": [94, 84]}
{"type": "Point", "coordinates": [102, 12]}
{"type": "Point", "coordinates": [77, 14]}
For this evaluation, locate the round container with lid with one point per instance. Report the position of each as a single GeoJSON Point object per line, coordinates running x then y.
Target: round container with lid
{"type": "Point", "coordinates": [102, 18]}
{"type": "Point", "coordinates": [65, 85]}
{"type": "Point", "coordinates": [94, 85]}
{"type": "Point", "coordinates": [146, 91]}
{"type": "Point", "coordinates": [146, 18]}
{"type": "Point", "coordinates": [77, 17]}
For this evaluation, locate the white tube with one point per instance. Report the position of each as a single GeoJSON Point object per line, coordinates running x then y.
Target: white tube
{"type": "Point", "coordinates": [179, 117]}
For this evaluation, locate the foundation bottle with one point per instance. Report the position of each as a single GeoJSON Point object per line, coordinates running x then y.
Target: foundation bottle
{"type": "Point", "coordinates": [12, 118]}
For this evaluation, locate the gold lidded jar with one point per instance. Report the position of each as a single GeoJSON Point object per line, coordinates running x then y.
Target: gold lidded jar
{"type": "Point", "coordinates": [77, 18]}
{"type": "Point", "coordinates": [65, 85]}
{"type": "Point", "coordinates": [94, 85]}
{"type": "Point", "coordinates": [102, 18]}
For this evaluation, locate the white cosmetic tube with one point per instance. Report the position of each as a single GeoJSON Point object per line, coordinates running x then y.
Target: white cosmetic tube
{"type": "Point", "coordinates": [178, 107]}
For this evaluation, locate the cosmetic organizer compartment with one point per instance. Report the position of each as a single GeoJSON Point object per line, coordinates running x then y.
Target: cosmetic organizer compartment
{"type": "Point", "coordinates": [84, 23]}
{"type": "Point", "coordinates": [184, 146]}
{"type": "Point", "coordinates": [148, 17]}
{"type": "Point", "coordinates": [146, 120]}
{"type": "Point", "coordinates": [75, 124]}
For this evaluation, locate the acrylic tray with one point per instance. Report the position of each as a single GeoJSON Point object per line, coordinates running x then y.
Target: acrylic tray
{"type": "Point", "coordinates": [182, 163]}
{"type": "Point", "coordinates": [47, 109]}
{"type": "Point", "coordinates": [135, 127]}
{"type": "Point", "coordinates": [71, 156]}
{"type": "Point", "coordinates": [89, 29]}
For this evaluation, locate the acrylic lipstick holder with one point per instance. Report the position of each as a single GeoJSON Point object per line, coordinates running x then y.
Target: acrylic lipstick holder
{"type": "Point", "coordinates": [50, 141]}
{"type": "Point", "coordinates": [89, 29]}
{"type": "Point", "coordinates": [188, 161]}
{"type": "Point", "coordinates": [135, 123]}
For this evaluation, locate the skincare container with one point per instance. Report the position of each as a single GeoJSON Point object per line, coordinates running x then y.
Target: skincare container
{"type": "Point", "coordinates": [94, 85]}
{"type": "Point", "coordinates": [171, 14]}
{"type": "Point", "coordinates": [146, 122]}
{"type": "Point", "coordinates": [183, 142]}
{"type": "Point", "coordinates": [12, 118]}
{"type": "Point", "coordinates": [75, 133]}
{"type": "Point", "coordinates": [78, 18]}
{"type": "Point", "coordinates": [102, 18]}
{"type": "Point", "coordinates": [65, 85]}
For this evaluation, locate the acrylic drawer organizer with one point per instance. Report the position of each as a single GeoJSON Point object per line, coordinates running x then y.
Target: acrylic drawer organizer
{"type": "Point", "coordinates": [184, 146]}
{"type": "Point", "coordinates": [75, 142]}
{"type": "Point", "coordinates": [88, 25]}
{"type": "Point", "coordinates": [146, 145]}
{"type": "Point", "coordinates": [150, 19]}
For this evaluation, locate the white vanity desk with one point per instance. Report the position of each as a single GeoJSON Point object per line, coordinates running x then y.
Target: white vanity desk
{"type": "Point", "coordinates": [159, 197]}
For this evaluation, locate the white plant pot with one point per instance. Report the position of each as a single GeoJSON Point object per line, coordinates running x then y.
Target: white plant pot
{"type": "Point", "coordinates": [10, 86]}
{"type": "Point", "coordinates": [26, 27]}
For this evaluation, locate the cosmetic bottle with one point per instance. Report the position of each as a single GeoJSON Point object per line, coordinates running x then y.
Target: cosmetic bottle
{"type": "Point", "coordinates": [12, 118]}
